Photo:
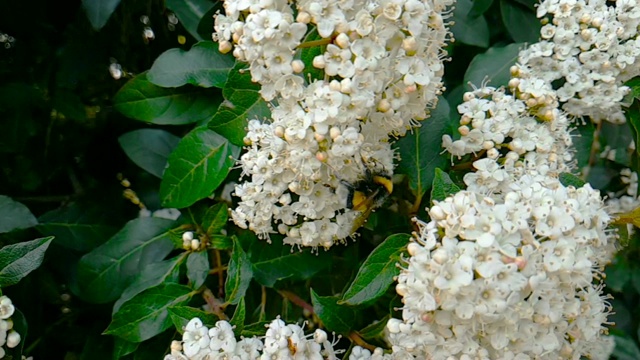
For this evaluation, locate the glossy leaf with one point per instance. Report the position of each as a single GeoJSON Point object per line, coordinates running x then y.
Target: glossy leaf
{"type": "Point", "coordinates": [239, 315]}
{"type": "Point", "coordinates": [420, 150]}
{"type": "Point", "coordinates": [255, 329]}
{"type": "Point", "coordinates": [377, 272]}
{"type": "Point", "coordinates": [99, 11]}
{"type": "Point", "coordinates": [189, 12]}
{"type": "Point", "coordinates": [469, 30]}
{"type": "Point", "coordinates": [568, 179]}
{"type": "Point", "coordinates": [197, 166]}
{"type": "Point", "coordinates": [203, 65]}
{"type": "Point", "coordinates": [197, 268]}
{"type": "Point", "coordinates": [181, 315]}
{"type": "Point", "coordinates": [105, 272]}
{"type": "Point", "coordinates": [221, 242]}
{"type": "Point", "coordinates": [122, 348]}
{"type": "Point", "coordinates": [521, 23]}
{"type": "Point", "coordinates": [152, 275]}
{"type": "Point", "coordinates": [582, 143]}
{"type": "Point", "coordinates": [18, 260]}
{"type": "Point", "coordinates": [307, 54]}
{"type": "Point", "coordinates": [618, 274]}
{"type": "Point", "coordinates": [141, 100]}
{"type": "Point", "coordinates": [493, 66]}
{"type": "Point", "coordinates": [215, 219]}
{"type": "Point", "coordinates": [276, 261]}
{"type": "Point", "coordinates": [479, 7]}
{"type": "Point", "coordinates": [239, 275]}
{"type": "Point", "coordinates": [14, 215]}
{"type": "Point", "coordinates": [626, 348]}
{"type": "Point", "coordinates": [242, 102]}
{"type": "Point", "coordinates": [443, 186]}
{"type": "Point", "coordinates": [335, 317]}
{"type": "Point", "coordinates": [376, 332]}
{"type": "Point", "coordinates": [76, 227]}
{"type": "Point", "coordinates": [147, 314]}
{"type": "Point", "coordinates": [149, 148]}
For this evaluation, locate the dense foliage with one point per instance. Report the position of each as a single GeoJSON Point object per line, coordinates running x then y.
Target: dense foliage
{"type": "Point", "coordinates": [122, 125]}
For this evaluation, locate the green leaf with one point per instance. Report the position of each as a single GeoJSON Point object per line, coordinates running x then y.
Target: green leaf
{"type": "Point", "coordinates": [375, 333]}
{"type": "Point", "coordinates": [239, 315]}
{"type": "Point", "coordinates": [521, 23]}
{"type": "Point", "coordinates": [618, 137]}
{"type": "Point", "coordinates": [255, 329]}
{"type": "Point", "coordinates": [154, 274]}
{"type": "Point", "coordinates": [14, 215]}
{"type": "Point", "coordinates": [197, 268]}
{"type": "Point", "coordinates": [377, 272]}
{"type": "Point", "coordinates": [197, 166]}
{"type": "Point", "coordinates": [239, 275]}
{"type": "Point", "coordinates": [77, 227]}
{"type": "Point", "coordinates": [122, 348]}
{"type": "Point", "coordinates": [221, 242]}
{"type": "Point", "coordinates": [149, 148]}
{"type": "Point", "coordinates": [203, 65]}
{"type": "Point", "coordinates": [568, 179]}
{"type": "Point", "coordinates": [442, 186]}
{"type": "Point", "coordinates": [307, 54]}
{"type": "Point", "coordinates": [147, 315]}
{"type": "Point", "coordinates": [335, 317]}
{"type": "Point", "coordinates": [242, 102]}
{"type": "Point", "coordinates": [420, 150]}
{"type": "Point", "coordinates": [479, 7]}
{"type": "Point", "coordinates": [276, 261]}
{"type": "Point", "coordinates": [189, 12]}
{"type": "Point", "coordinates": [99, 11]}
{"type": "Point", "coordinates": [18, 260]}
{"type": "Point", "coordinates": [469, 30]}
{"type": "Point", "coordinates": [618, 274]}
{"type": "Point", "coordinates": [105, 272]}
{"type": "Point", "coordinates": [634, 85]}
{"type": "Point", "coordinates": [181, 315]}
{"type": "Point", "coordinates": [215, 219]}
{"type": "Point", "coordinates": [141, 100]}
{"type": "Point", "coordinates": [582, 143]}
{"type": "Point", "coordinates": [493, 66]}
{"type": "Point", "coordinates": [626, 348]}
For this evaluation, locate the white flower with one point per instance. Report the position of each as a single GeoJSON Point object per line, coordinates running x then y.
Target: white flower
{"type": "Point", "coordinates": [222, 337]}
{"type": "Point", "coordinates": [195, 337]}
{"type": "Point", "coordinates": [6, 307]}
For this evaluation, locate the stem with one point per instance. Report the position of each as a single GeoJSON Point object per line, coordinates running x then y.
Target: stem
{"type": "Point", "coordinates": [220, 274]}
{"type": "Point", "coordinates": [314, 43]}
{"type": "Point", "coordinates": [263, 304]}
{"type": "Point", "coordinates": [296, 300]}
{"type": "Point", "coordinates": [216, 306]}
{"type": "Point", "coordinates": [358, 340]}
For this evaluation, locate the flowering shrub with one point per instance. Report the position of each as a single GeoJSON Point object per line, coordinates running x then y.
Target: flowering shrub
{"type": "Point", "coordinates": [325, 180]}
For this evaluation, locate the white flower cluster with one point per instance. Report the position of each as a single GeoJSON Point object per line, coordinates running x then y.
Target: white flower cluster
{"type": "Point", "coordinates": [382, 66]}
{"type": "Point", "coordinates": [589, 48]}
{"type": "Point", "coordinates": [506, 128]}
{"type": "Point", "coordinates": [282, 341]}
{"type": "Point", "coordinates": [8, 336]}
{"type": "Point", "coordinates": [509, 268]}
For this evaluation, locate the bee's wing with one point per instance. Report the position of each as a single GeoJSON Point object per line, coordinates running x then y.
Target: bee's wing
{"type": "Point", "coordinates": [365, 206]}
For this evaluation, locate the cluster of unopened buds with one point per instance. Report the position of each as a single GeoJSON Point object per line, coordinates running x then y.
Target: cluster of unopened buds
{"type": "Point", "coordinates": [375, 71]}
{"type": "Point", "coordinates": [8, 336]}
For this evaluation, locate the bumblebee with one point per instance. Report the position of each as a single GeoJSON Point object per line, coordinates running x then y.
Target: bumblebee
{"type": "Point", "coordinates": [367, 195]}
